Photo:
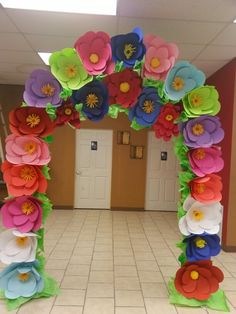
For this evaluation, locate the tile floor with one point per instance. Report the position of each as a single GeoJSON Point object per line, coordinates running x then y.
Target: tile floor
{"type": "Point", "coordinates": [116, 263]}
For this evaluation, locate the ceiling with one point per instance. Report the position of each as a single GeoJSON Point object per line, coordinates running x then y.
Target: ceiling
{"type": "Point", "coordinates": [202, 29]}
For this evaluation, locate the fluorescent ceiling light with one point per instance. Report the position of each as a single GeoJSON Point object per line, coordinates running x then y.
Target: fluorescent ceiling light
{"type": "Point", "coordinates": [45, 56]}
{"type": "Point", "coordinates": [234, 21]}
{"type": "Point", "coordinates": [104, 7]}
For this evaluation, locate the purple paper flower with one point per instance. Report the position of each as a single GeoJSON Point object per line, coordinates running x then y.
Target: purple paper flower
{"type": "Point", "coordinates": [203, 131]}
{"type": "Point", "coordinates": [42, 88]}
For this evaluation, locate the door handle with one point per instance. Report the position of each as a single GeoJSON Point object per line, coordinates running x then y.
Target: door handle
{"type": "Point", "coordinates": [78, 173]}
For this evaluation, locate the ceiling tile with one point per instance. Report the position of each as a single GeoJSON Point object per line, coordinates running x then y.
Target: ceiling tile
{"type": "Point", "coordinates": [209, 67]}
{"type": "Point", "coordinates": [214, 52]}
{"type": "Point", "coordinates": [188, 51]}
{"type": "Point", "coordinates": [13, 78]}
{"type": "Point", "coordinates": [19, 57]}
{"type": "Point", "coordinates": [5, 23]}
{"type": "Point", "coordinates": [227, 36]}
{"type": "Point", "coordinates": [14, 41]}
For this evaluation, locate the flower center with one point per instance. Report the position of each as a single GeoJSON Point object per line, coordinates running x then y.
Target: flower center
{"type": "Point", "coordinates": [27, 173]}
{"type": "Point", "coordinates": [48, 90]}
{"type": "Point", "coordinates": [21, 241]}
{"type": "Point", "coordinates": [199, 188]}
{"type": "Point", "coordinates": [23, 277]}
{"type": "Point", "coordinates": [200, 243]}
{"type": "Point", "coordinates": [33, 120]}
{"type": "Point", "coordinates": [194, 275]}
{"type": "Point", "coordinates": [198, 129]}
{"type": "Point", "coordinates": [197, 214]}
{"type": "Point", "coordinates": [94, 58]}
{"type": "Point", "coordinates": [30, 147]}
{"type": "Point", "coordinates": [196, 100]}
{"type": "Point", "coordinates": [27, 208]}
{"type": "Point", "coordinates": [169, 117]}
{"type": "Point", "coordinates": [199, 154]}
{"type": "Point", "coordinates": [129, 51]}
{"type": "Point", "coordinates": [68, 111]}
{"type": "Point", "coordinates": [124, 87]}
{"type": "Point", "coordinates": [148, 106]}
{"type": "Point", "coordinates": [178, 83]}
{"type": "Point", "coordinates": [71, 70]}
{"type": "Point", "coordinates": [92, 100]}
{"type": "Point", "coordinates": [155, 63]}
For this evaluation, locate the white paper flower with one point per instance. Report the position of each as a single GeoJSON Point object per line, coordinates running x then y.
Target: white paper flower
{"type": "Point", "coordinates": [200, 217]}
{"type": "Point", "coordinates": [17, 247]}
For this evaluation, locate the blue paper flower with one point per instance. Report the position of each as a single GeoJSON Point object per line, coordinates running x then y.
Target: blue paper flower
{"type": "Point", "coordinates": [181, 79]}
{"type": "Point", "coordinates": [128, 47]}
{"type": "Point", "coordinates": [147, 108]}
{"type": "Point", "coordinates": [202, 247]}
{"type": "Point", "coordinates": [94, 97]}
{"type": "Point", "coordinates": [21, 280]}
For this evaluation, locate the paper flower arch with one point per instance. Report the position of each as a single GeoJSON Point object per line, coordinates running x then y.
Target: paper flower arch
{"type": "Point", "coordinates": [136, 75]}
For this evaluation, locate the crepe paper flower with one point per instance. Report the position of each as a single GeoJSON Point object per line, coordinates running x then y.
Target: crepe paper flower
{"type": "Point", "coordinates": [94, 97]}
{"type": "Point", "coordinates": [165, 126]}
{"type": "Point", "coordinates": [147, 107]}
{"type": "Point", "coordinates": [21, 280]}
{"type": "Point", "coordinates": [123, 88]}
{"type": "Point", "coordinates": [198, 280]}
{"type": "Point", "coordinates": [94, 49]}
{"type": "Point", "coordinates": [30, 121]}
{"type": "Point", "coordinates": [181, 79]}
{"type": "Point", "coordinates": [200, 217]}
{"type": "Point", "coordinates": [202, 247]}
{"type": "Point", "coordinates": [67, 114]}
{"type": "Point", "coordinates": [206, 189]}
{"type": "Point", "coordinates": [203, 131]}
{"type": "Point", "coordinates": [159, 58]}
{"type": "Point", "coordinates": [42, 88]}
{"type": "Point", "coordinates": [205, 160]}
{"type": "Point", "coordinates": [67, 67]}
{"type": "Point", "coordinates": [23, 179]}
{"type": "Point", "coordinates": [128, 48]}
{"type": "Point", "coordinates": [27, 149]}
{"type": "Point", "coordinates": [23, 213]}
{"type": "Point", "coordinates": [17, 247]}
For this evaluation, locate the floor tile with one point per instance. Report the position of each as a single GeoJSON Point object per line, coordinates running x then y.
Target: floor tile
{"type": "Point", "coordinates": [159, 305]}
{"type": "Point", "coordinates": [101, 276]}
{"type": "Point", "coordinates": [127, 283]}
{"type": "Point", "coordinates": [103, 290]}
{"type": "Point", "coordinates": [67, 310]}
{"type": "Point", "coordinates": [123, 271]}
{"type": "Point", "coordinates": [128, 298]}
{"type": "Point", "coordinates": [74, 282]}
{"type": "Point", "coordinates": [130, 310]}
{"type": "Point", "coordinates": [99, 306]}
{"type": "Point", "coordinates": [150, 276]}
{"type": "Point", "coordinates": [154, 290]}
{"type": "Point", "coordinates": [70, 297]}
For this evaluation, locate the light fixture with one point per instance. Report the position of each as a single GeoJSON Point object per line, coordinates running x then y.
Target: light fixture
{"type": "Point", "coordinates": [234, 21]}
{"type": "Point", "coordinates": [45, 56]}
{"type": "Point", "coordinates": [104, 7]}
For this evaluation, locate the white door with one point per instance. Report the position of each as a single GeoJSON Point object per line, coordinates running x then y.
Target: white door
{"type": "Point", "coordinates": [162, 175]}
{"type": "Point", "coordinates": [93, 168]}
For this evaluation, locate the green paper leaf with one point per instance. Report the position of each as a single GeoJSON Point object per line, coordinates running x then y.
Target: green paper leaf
{"type": "Point", "coordinates": [182, 258]}
{"type": "Point", "coordinates": [23, 104]}
{"type": "Point", "coordinates": [46, 204]}
{"type": "Point", "coordinates": [119, 66]}
{"type": "Point", "coordinates": [182, 118]}
{"type": "Point", "coordinates": [66, 92]}
{"type": "Point", "coordinates": [82, 116]}
{"type": "Point", "coordinates": [100, 77]}
{"type": "Point", "coordinates": [48, 139]}
{"type": "Point", "coordinates": [45, 171]}
{"type": "Point", "coordinates": [115, 109]}
{"type": "Point", "coordinates": [79, 107]}
{"type": "Point", "coordinates": [51, 111]}
{"type": "Point", "coordinates": [134, 125]}
{"type": "Point", "coordinates": [138, 66]}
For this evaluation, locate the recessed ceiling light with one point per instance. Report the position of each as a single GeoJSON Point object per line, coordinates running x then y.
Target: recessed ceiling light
{"type": "Point", "coordinates": [45, 56]}
{"type": "Point", "coordinates": [234, 21]}
{"type": "Point", "coordinates": [104, 7]}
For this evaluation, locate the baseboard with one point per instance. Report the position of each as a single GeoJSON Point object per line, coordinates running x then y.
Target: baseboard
{"type": "Point", "coordinates": [63, 207]}
{"type": "Point", "coordinates": [135, 209]}
{"type": "Point", "coordinates": [228, 248]}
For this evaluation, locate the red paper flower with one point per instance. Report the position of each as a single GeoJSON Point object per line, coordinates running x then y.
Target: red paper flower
{"type": "Point", "coordinates": [67, 114]}
{"type": "Point", "coordinates": [198, 280]}
{"type": "Point", "coordinates": [23, 179]}
{"type": "Point", "coordinates": [30, 121]}
{"type": "Point", "coordinates": [165, 126]}
{"type": "Point", "coordinates": [123, 87]}
{"type": "Point", "coordinates": [206, 189]}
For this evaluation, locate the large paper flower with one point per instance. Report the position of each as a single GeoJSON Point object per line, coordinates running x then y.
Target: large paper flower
{"type": "Point", "coordinates": [206, 189]}
{"type": "Point", "coordinates": [67, 114]}
{"type": "Point", "coordinates": [42, 88]}
{"type": "Point", "coordinates": [23, 179]}
{"type": "Point", "coordinates": [128, 48]}
{"type": "Point", "coordinates": [205, 160]}
{"type": "Point", "coordinates": [159, 58]}
{"type": "Point", "coordinates": [30, 121]}
{"type": "Point", "coordinates": [27, 150]}
{"type": "Point", "coordinates": [147, 107]}
{"type": "Point", "coordinates": [202, 247]}
{"type": "Point", "coordinates": [200, 217]}
{"type": "Point", "coordinates": [23, 213]}
{"type": "Point", "coordinates": [181, 79]}
{"type": "Point", "coordinates": [198, 280]}
{"type": "Point", "coordinates": [95, 52]}
{"type": "Point", "coordinates": [202, 100]}
{"type": "Point", "coordinates": [203, 131]}
{"type": "Point", "coordinates": [94, 97]}
{"type": "Point", "coordinates": [67, 67]}
{"type": "Point", "coordinates": [123, 88]}
{"type": "Point", "coordinates": [17, 247]}
{"type": "Point", "coordinates": [21, 280]}
{"type": "Point", "coordinates": [165, 126]}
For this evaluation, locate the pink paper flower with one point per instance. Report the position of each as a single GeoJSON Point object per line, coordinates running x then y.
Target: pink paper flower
{"type": "Point", "coordinates": [23, 213]}
{"type": "Point", "coordinates": [160, 57]}
{"type": "Point", "coordinates": [205, 160]}
{"type": "Point", "coordinates": [27, 149]}
{"type": "Point", "coordinates": [95, 52]}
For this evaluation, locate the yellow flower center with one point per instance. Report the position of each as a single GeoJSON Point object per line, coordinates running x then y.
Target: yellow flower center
{"type": "Point", "coordinates": [129, 50]}
{"type": "Point", "coordinates": [124, 87]}
{"type": "Point", "coordinates": [155, 63]}
{"type": "Point", "coordinates": [199, 188]}
{"type": "Point", "coordinates": [178, 83]}
{"type": "Point", "coordinates": [21, 241]}
{"type": "Point", "coordinates": [196, 100]}
{"type": "Point", "coordinates": [199, 154]}
{"type": "Point", "coordinates": [30, 147]}
{"type": "Point", "coordinates": [71, 70]}
{"type": "Point", "coordinates": [197, 214]}
{"type": "Point", "coordinates": [169, 117]}
{"type": "Point", "coordinates": [27, 173]}
{"type": "Point", "coordinates": [24, 277]}
{"type": "Point", "coordinates": [27, 208]}
{"type": "Point", "coordinates": [92, 100]}
{"type": "Point", "coordinates": [33, 120]}
{"type": "Point", "coordinates": [48, 90]}
{"type": "Point", "coordinates": [68, 111]}
{"type": "Point", "coordinates": [194, 275]}
{"type": "Point", "coordinates": [200, 243]}
{"type": "Point", "coordinates": [148, 106]}
{"type": "Point", "coordinates": [198, 129]}
{"type": "Point", "coordinates": [94, 58]}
